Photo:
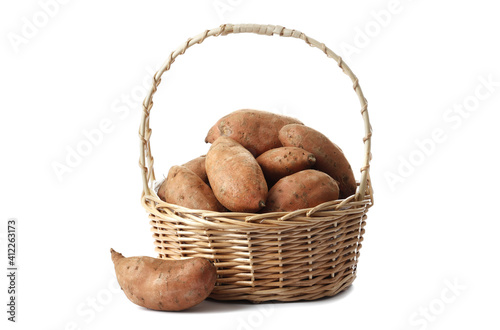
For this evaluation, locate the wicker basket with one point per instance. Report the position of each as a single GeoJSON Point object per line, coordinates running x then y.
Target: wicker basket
{"type": "Point", "coordinates": [287, 256]}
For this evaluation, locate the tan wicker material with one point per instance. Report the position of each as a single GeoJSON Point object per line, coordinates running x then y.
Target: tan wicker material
{"type": "Point", "coordinates": [286, 256]}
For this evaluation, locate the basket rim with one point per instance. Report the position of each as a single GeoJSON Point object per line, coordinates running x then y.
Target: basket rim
{"type": "Point", "coordinates": [338, 210]}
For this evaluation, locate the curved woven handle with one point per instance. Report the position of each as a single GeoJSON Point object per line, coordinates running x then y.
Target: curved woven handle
{"type": "Point", "coordinates": [145, 131]}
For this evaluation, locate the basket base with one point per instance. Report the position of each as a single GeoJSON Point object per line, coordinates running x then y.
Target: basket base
{"type": "Point", "coordinates": [285, 294]}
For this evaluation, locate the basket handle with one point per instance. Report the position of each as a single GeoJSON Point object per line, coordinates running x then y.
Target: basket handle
{"type": "Point", "coordinates": [269, 30]}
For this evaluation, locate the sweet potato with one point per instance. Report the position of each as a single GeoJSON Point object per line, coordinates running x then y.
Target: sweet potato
{"type": "Point", "coordinates": [167, 285]}
{"type": "Point", "coordinates": [183, 187]}
{"type": "Point", "coordinates": [280, 162]}
{"type": "Point", "coordinates": [197, 165]}
{"type": "Point", "coordinates": [235, 176]}
{"type": "Point", "coordinates": [304, 189]}
{"type": "Point", "coordinates": [329, 157]}
{"type": "Point", "coordinates": [254, 129]}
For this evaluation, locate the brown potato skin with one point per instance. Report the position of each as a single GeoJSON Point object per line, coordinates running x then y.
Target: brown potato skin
{"type": "Point", "coordinates": [183, 187]}
{"type": "Point", "coordinates": [197, 165]}
{"type": "Point", "coordinates": [280, 162]}
{"type": "Point", "coordinates": [235, 176]}
{"type": "Point", "coordinates": [166, 285]}
{"type": "Point", "coordinates": [256, 130]}
{"type": "Point", "coordinates": [329, 157]}
{"type": "Point", "coordinates": [304, 189]}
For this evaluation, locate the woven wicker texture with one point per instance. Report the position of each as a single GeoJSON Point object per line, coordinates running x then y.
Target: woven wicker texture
{"type": "Point", "coordinates": [287, 256]}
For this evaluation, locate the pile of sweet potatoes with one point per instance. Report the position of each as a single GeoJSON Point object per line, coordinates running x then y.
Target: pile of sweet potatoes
{"type": "Point", "coordinates": [259, 161]}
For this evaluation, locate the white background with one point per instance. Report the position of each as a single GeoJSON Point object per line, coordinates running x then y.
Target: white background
{"type": "Point", "coordinates": [429, 259]}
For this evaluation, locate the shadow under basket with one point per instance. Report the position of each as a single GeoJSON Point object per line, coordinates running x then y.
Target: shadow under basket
{"type": "Point", "coordinates": [284, 256]}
